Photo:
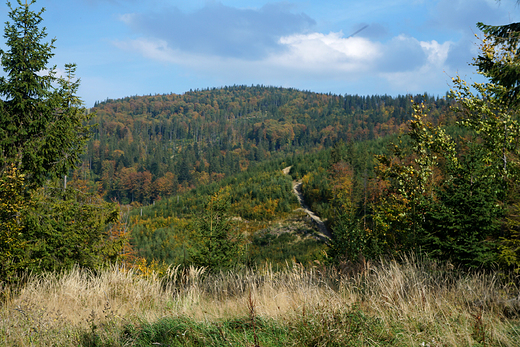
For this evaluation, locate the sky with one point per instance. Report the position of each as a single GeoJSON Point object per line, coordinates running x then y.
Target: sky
{"type": "Point", "coordinates": [135, 47]}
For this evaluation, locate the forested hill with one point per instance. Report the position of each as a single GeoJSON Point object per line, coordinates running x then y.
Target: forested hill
{"type": "Point", "coordinates": [152, 146]}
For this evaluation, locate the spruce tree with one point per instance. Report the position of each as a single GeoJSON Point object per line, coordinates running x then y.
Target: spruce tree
{"type": "Point", "coordinates": [499, 59]}
{"type": "Point", "coordinates": [44, 226]}
{"type": "Point", "coordinates": [217, 244]}
{"type": "Point", "coordinates": [41, 131]}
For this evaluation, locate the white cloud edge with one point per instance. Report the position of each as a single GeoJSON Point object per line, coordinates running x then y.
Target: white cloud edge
{"type": "Point", "coordinates": [302, 51]}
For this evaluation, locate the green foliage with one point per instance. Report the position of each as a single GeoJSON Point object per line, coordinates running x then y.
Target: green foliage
{"type": "Point", "coordinates": [463, 224]}
{"type": "Point", "coordinates": [184, 331]}
{"type": "Point", "coordinates": [408, 175]}
{"type": "Point", "coordinates": [338, 185]}
{"type": "Point", "coordinates": [53, 229]}
{"type": "Point", "coordinates": [263, 196]}
{"type": "Point", "coordinates": [203, 136]}
{"type": "Point", "coordinates": [325, 326]}
{"type": "Point", "coordinates": [318, 326]}
{"type": "Point", "coordinates": [493, 122]}
{"type": "Point", "coordinates": [448, 196]}
{"type": "Point", "coordinates": [350, 240]}
{"type": "Point", "coordinates": [217, 243]}
{"type": "Point", "coordinates": [260, 194]}
{"type": "Point", "coordinates": [279, 250]}
{"type": "Point", "coordinates": [12, 205]}
{"type": "Point", "coordinates": [499, 124]}
{"type": "Point", "coordinates": [67, 228]}
{"type": "Point", "coordinates": [499, 60]}
{"type": "Point", "coordinates": [509, 246]}
{"type": "Point", "coordinates": [317, 192]}
{"type": "Point", "coordinates": [41, 130]}
{"type": "Point", "coordinates": [42, 135]}
{"type": "Point", "coordinates": [443, 196]}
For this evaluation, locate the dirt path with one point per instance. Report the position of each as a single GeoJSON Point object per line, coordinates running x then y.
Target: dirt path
{"type": "Point", "coordinates": [323, 232]}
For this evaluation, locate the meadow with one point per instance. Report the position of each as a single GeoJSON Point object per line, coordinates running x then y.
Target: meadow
{"type": "Point", "coordinates": [405, 302]}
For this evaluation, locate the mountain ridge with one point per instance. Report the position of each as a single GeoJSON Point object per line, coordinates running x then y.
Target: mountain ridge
{"type": "Point", "coordinates": [150, 147]}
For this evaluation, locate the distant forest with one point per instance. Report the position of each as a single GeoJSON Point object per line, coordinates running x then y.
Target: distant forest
{"type": "Point", "coordinates": [150, 147]}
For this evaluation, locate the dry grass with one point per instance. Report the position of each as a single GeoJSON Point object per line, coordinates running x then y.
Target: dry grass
{"type": "Point", "coordinates": [416, 302]}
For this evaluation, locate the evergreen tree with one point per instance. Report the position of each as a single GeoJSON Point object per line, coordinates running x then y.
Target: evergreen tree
{"type": "Point", "coordinates": [502, 65]}
{"type": "Point", "coordinates": [499, 61]}
{"type": "Point", "coordinates": [450, 193]}
{"type": "Point", "coordinates": [217, 243]}
{"type": "Point", "coordinates": [41, 131]}
{"type": "Point", "coordinates": [44, 227]}
{"type": "Point", "coordinates": [64, 228]}
{"type": "Point", "coordinates": [464, 220]}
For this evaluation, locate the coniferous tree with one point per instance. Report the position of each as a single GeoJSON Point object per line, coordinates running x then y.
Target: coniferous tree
{"type": "Point", "coordinates": [44, 226]}
{"type": "Point", "coordinates": [217, 243]}
{"type": "Point", "coordinates": [451, 193]}
{"type": "Point", "coordinates": [41, 131]}
{"type": "Point", "coordinates": [505, 70]}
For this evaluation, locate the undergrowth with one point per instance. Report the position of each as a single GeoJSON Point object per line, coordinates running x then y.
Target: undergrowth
{"type": "Point", "coordinates": [392, 303]}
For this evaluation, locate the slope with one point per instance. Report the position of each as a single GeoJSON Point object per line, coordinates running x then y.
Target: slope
{"type": "Point", "coordinates": [149, 147]}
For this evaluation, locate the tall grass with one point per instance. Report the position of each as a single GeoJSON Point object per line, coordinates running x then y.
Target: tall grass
{"type": "Point", "coordinates": [409, 302]}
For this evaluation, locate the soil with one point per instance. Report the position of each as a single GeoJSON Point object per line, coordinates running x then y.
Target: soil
{"type": "Point", "coordinates": [323, 231]}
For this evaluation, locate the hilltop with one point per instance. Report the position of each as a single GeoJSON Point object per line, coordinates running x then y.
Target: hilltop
{"type": "Point", "coordinates": [169, 153]}
{"type": "Point", "coordinates": [149, 147]}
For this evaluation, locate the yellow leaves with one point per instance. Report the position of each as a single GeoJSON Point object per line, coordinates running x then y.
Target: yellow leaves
{"type": "Point", "coordinates": [12, 204]}
{"type": "Point", "coordinates": [149, 270]}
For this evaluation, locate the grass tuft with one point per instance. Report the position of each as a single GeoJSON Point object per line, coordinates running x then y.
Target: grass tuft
{"type": "Point", "coordinates": [410, 302]}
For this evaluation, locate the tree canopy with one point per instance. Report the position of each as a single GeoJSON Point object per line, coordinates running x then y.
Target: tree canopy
{"type": "Point", "coordinates": [41, 120]}
{"type": "Point", "coordinates": [44, 225]}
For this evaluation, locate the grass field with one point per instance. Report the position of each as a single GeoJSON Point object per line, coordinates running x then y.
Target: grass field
{"type": "Point", "coordinates": [408, 302]}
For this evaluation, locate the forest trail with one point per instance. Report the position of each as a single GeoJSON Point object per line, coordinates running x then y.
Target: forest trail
{"type": "Point", "coordinates": [323, 232]}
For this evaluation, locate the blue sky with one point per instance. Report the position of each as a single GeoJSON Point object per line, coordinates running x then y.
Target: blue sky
{"type": "Point", "coordinates": [135, 47]}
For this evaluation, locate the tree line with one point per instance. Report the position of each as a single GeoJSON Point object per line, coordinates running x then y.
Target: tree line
{"type": "Point", "coordinates": [149, 147]}
{"type": "Point", "coordinates": [421, 174]}
{"type": "Point", "coordinates": [446, 188]}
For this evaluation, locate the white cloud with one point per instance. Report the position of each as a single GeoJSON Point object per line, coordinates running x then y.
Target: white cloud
{"type": "Point", "coordinates": [437, 53]}
{"type": "Point", "coordinates": [423, 78]}
{"type": "Point", "coordinates": [127, 18]}
{"type": "Point", "coordinates": [216, 29]}
{"type": "Point", "coordinates": [403, 64]}
{"type": "Point", "coordinates": [358, 56]}
{"type": "Point", "coordinates": [329, 52]}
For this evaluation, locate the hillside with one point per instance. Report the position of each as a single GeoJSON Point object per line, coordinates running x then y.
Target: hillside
{"type": "Point", "coordinates": [149, 147]}
{"type": "Point", "coordinates": [172, 152]}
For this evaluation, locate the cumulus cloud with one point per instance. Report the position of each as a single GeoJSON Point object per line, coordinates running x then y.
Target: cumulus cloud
{"type": "Point", "coordinates": [399, 61]}
{"type": "Point", "coordinates": [220, 30]}
{"type": "Point", "coordinates": [322, 52]}
{"type": "Point", "coordinates": [437, 53]}
{"type": "Point", "coordinates": [314, 54]}
{"type": "Point", "coordinates": [272, 44]}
